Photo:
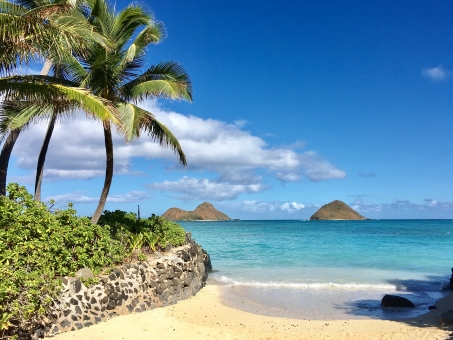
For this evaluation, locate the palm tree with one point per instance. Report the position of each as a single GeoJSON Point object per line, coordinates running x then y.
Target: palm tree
{"type": "Point", "coordinates": [115, 75]}
{"type": "Point", "coordinates": [53, 30]}
{"type": "Point", "coordinates": [36, 29]}
{"type": "Point", "coordinates": [28, 98]}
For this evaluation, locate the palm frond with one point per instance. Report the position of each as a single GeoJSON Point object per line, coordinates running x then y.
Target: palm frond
{"type": "Point", "coordinates": [16, 115]}
{"type": "Point", "coordinates": [72, 69]}
{"type": "Point", "coordinates": [43, 90]}
{"type": "Point", "coordinates": [51, 30]}
{"type": "Point", "coordinates": [136, 119]}
{"type": "Point", "coordinates": [151, 34]}
{"type": "Point", "coordinates": [165, 80]}
{"type": "Point", "coordinates": [126, 22]}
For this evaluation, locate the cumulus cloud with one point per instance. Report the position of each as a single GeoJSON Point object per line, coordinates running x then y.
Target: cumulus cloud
{"type": "Point", "coordinates": [226, 148]}
{"type": "Point", "coordinates": [293, 206]}
{"type": "Point", "coordinates": [241, 161]}
{"type": "Point", "coordinates": [188, 188]}
{"type": "Point", "coordinates": [436, 73]}
{"type": "Point", "coordinates": [79, 197]}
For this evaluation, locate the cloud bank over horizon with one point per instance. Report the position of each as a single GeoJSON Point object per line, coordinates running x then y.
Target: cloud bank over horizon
{"type": "Point", "coordinates": [399, 206]}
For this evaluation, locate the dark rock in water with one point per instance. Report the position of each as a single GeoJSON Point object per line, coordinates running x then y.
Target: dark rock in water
{"type": "Point", "coordinates": [451, 280]}
{"type": "Point", "coordinates": [395, 301]}
{"type": "Point", "coordinates": [207, 262]}
{"type": "Point", "coordinates": [432, 307]}
{"type": "Point", "coordinates": [446, 318]}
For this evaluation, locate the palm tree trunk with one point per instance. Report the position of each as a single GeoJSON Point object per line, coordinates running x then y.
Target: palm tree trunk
{"type": "Point", "coordinates": [11, 140]}
{"type": "Point", "coordinates": [108, 172]}
{"type": "Point", "coordinates": [4, 158]}
{"type": "Point", "coordinates": [45, 144]}
{"type": "Point", "coordinates": [42, 157]}
{"type": "Point", "coordinates": [46, 68]}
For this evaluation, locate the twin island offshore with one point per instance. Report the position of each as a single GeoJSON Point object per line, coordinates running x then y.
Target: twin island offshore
{"type": "Point", "coordinates": [336, 210]}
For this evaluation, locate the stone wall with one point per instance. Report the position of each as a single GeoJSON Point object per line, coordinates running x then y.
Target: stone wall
{"type": "Point", "coordinates": [160, 281]}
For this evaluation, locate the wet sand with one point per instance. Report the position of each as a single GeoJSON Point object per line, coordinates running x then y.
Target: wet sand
{"type": "Point", "coordinates": [207, 316]}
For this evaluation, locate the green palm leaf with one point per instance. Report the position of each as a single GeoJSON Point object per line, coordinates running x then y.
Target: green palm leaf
{"type": "Point", "coordinates": [165, 80]}
{"type": "Point", "coordinates": [136, 119]}
{"type": "Point", "coordinates": [47, 94]}
{"type": "Point", "coordinates": [126, 22]}
{"type": "Point", "coordinates": [51, 30]}
{"type": "Point", "coordinates": [150, 35]}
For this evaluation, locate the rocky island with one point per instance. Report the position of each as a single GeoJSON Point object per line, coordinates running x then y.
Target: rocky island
{"type": "Point", "coordinates": [336, 210]}
{"type": "Point", "coordinates": [204, 212]}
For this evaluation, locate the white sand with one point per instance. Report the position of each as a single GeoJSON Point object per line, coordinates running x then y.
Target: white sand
{"type": "Point", "coordinates": [206, 317]}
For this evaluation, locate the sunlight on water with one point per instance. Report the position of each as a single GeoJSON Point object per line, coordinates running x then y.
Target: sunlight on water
{"type": "Point", "coordinates": [354, 259]}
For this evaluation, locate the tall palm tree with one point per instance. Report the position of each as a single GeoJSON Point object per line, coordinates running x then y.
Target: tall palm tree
{"type": "Point", "coordinates": [47, 29]}
{"type": "Point", "coordinates": [116, 76]}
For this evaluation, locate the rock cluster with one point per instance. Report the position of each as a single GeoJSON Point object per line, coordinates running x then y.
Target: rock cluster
{"type": "Point", "coordinates": [160, 281]}
{"type": "Point", "coordinates": [205, 211]}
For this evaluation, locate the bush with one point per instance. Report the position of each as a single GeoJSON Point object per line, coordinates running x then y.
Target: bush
{"type": "Point", "coordinates": [37, 246]}
{"type": "Point", "coordinates": [169, 232]}
{"type": "Point", "coordinates": [166, 232]}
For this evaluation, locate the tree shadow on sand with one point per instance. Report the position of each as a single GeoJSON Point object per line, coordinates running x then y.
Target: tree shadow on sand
{"type": "Point", "coordinates": [420, 292]}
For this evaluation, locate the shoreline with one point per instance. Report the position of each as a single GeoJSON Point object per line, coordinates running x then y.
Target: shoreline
{"type": "Point", "coordinates": [208, 316]}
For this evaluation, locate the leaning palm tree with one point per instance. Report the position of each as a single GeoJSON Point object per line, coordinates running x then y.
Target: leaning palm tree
{"type": "Point", "coordinates": [36, 29]}
{"type": "Point", "coordinates": [115, 75]}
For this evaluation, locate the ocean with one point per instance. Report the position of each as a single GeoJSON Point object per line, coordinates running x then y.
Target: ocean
{"type": "Point", "coordinates": [328, 269]}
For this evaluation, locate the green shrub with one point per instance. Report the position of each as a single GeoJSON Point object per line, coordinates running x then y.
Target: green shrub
{"type": "Point", "coordinates": [37, 246]}
{"type": "Point", "coordinates": [169, 232]}
{"type": "Point", "coordinates": [160, 231]}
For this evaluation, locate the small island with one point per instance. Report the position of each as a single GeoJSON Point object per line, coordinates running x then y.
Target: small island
{"type": "Point", "coordinates": [204, 212]}
{"type": "Point", "coordinates": [336, 210]}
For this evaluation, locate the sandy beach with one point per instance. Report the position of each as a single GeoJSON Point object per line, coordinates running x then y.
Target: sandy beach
{"type": "Point", "coordinates": [205, 316]}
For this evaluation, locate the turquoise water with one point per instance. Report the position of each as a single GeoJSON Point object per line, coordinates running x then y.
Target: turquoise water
{"type": "Point", "coordinates": [354, 262]}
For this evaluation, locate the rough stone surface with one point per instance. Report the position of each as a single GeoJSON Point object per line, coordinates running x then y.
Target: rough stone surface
{"type": "Point", "coordinates": [396, 301]}
{"type": "Point", "coordinates": [84, 272]}
{"type": "Point", "coordinates": [136, 287]}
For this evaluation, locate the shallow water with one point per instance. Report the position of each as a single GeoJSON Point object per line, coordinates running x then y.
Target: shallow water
{"type": "Point", "coordinates": [335, 269]}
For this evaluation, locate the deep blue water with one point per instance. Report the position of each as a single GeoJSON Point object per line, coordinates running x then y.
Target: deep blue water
{"type": "Point", "coordinates": [375, 256]}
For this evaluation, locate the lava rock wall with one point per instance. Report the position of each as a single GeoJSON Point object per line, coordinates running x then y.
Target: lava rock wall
{"type": "Point", "coordinates": [163, 280]}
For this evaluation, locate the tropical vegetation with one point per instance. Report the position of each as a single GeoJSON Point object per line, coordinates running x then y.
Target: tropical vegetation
{"type": "Point", "coordinates": [39, 245]}
{"type": "Point", "coordinates": [94, 63]}
{"type": "Point", "coordinates": [110, 71]}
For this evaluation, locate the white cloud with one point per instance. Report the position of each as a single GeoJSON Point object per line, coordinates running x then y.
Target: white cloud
{"type": "Point", "coordinates": [204, 189]}
{"type": "Point", "coordinates": [241, 161]}
{"type": "Point", "coordinates": [263, 206]}
{"type": "Point", "coordinates": [435, 73]}
{"type": "Point", "coordinates": [226, 148]}
{"type": "Point", "coordinates": [78, 197]}
{"type": "Point", "coordinates": [290, 207]}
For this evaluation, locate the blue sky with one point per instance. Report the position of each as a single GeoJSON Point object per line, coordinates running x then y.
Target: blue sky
{"type": "Point", "coordinates": [295, 105]}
